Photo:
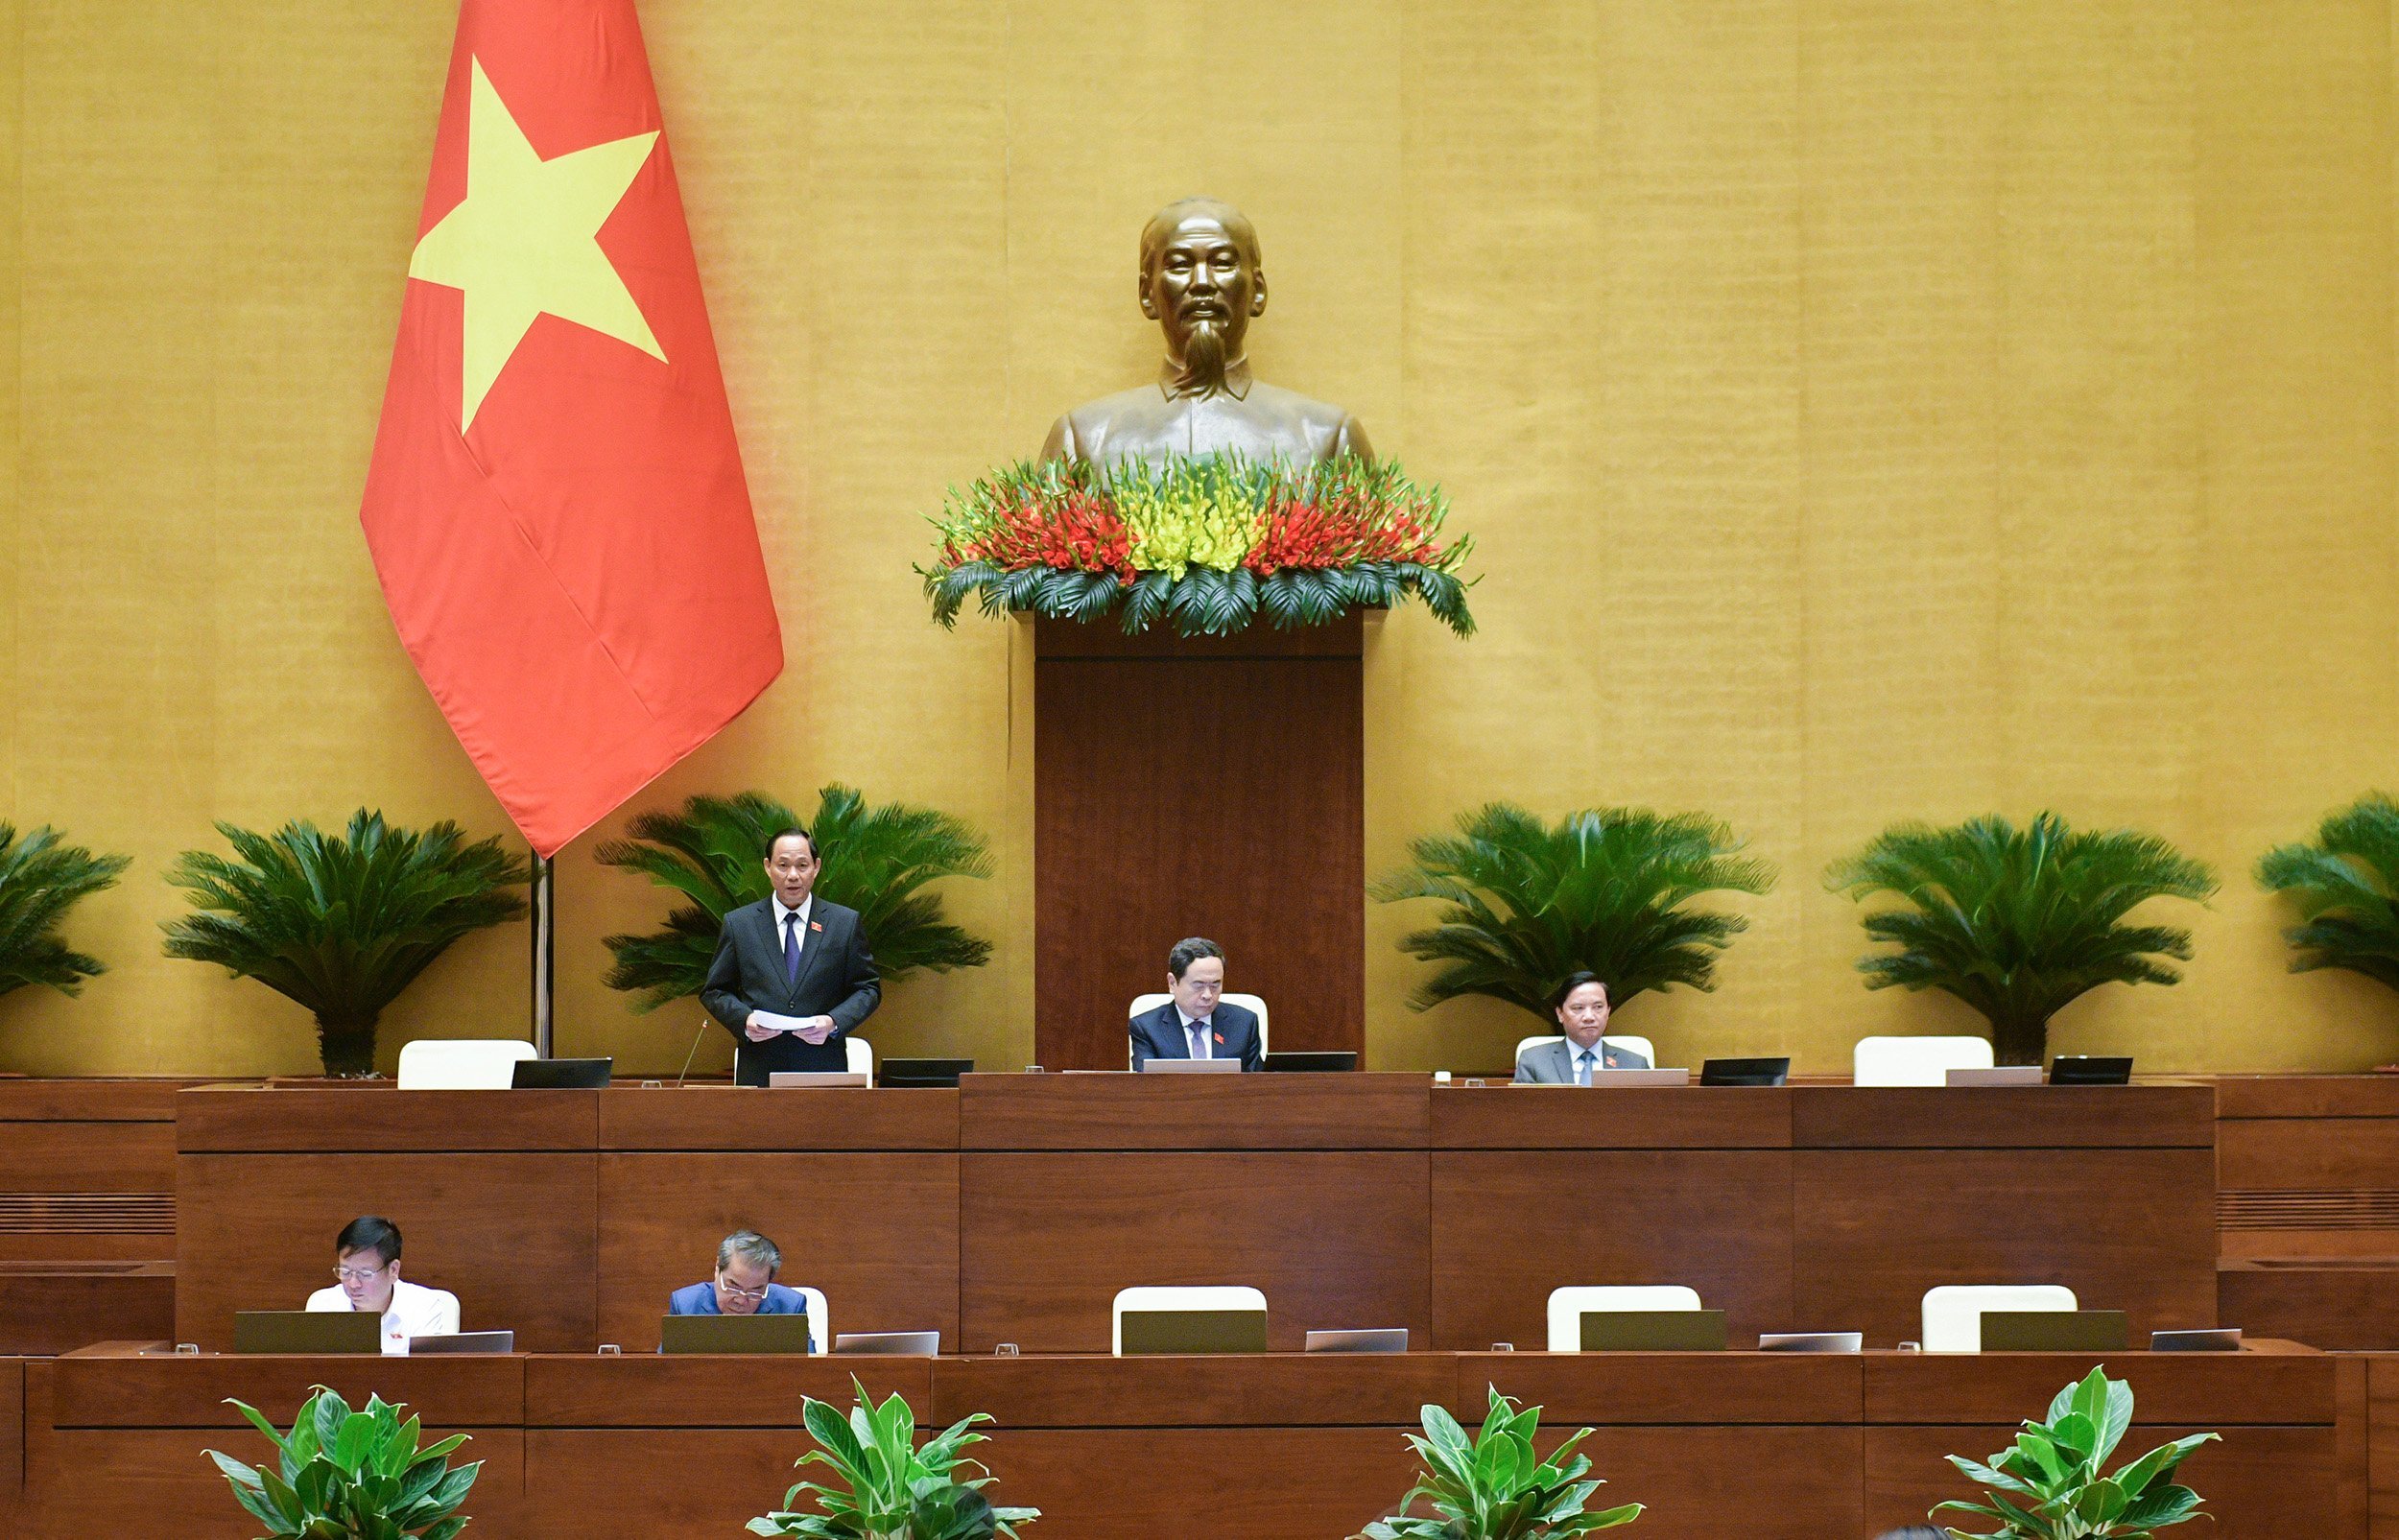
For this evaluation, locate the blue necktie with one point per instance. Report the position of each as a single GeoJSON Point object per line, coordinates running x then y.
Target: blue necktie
{"type": "Point", "coordinates": [1583, 1074]}
{"type": "Point", "coordinates": [1198, 1039]}
{"type": "Point", "coordinates": [791, 948]}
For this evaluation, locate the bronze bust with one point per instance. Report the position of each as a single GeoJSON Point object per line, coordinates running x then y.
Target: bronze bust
{"type": "Point", "coordinates": [1202, 283]}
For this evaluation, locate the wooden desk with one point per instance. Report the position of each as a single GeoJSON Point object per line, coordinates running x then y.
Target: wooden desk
{"type": "Point", "coordinates": [86, 1211]}
{"type": "Point", "coordinates": [1073, 1186]}
{"type": "Point", "coordinates": [2308, 1210]}
{"type": "Point", "coordinates": [1279, 1447]}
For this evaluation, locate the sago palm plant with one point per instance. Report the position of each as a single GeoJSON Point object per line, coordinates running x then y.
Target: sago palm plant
{"type": "Point", "coordinates": [341, 923]}
{"type": "Point", "coordinates": [2346, 886]}
{"type": "Point", "coordinates": [877, 861]}
{"type": "Point", "coordinates": [40, 879]}
{"type": "Point", "coordinates": [1530, 903]}
{"type": "Point", "coordinates": [2018, 922]}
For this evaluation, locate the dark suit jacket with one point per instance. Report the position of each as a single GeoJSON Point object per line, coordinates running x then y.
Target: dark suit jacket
{"type": "Point", "coordinates": [1159, 1034]}
{"type": "Point", "coordinates": [701, 1298]}
{"type": "Point", "coordinates": [837, 979]}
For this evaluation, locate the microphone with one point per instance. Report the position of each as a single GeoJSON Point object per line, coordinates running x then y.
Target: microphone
{"type": "Point", "coordinates": [695, 1051]}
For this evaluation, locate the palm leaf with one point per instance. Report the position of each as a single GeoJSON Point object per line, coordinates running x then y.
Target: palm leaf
{"type": "Point", "coordinates": [2345, 887]}
{"type": "Point", "coordinates": [1527, 904]}
{"type": "Point", "coordinates": [40, 879]}
{"type": "Point", "coordinates": [878, 860]}
{"type": "Point", "coordinates": [2018, 923]}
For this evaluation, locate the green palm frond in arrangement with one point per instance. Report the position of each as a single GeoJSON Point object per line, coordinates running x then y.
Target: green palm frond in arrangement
{"type": "Point", "coordinates": [2346, 886]}
{"type": "Point", "coordinates": [342, 923]}
{"type": "Point", "coordinates": [1530, 903]}
{"type": "Point", "coordinates": [2018, 922]}
{"type": "Point", "coordinates": [877, 861]}
{"type": "Point", "coordinates": [40, 879]}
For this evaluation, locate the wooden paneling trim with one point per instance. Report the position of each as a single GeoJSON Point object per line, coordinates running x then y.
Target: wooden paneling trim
{"type": "Point", "coordinates": [2271, 1387]}
{"type": "Point", "coordinates": [297, 1120]}
{"type": "Point", "coordinates": [1195, 1112]}
{"type": "Point", "coordinates": [2306, 1096]}
{"type": "Point", "coordinates": [1650, 1388]}
{"type": "Point", "coordinates": [1232, 1391]}
{"type": "Point", "coordinates": [93, 1101]}
{"type": "Point", "coordinates": [1564, 1117]}
{"type": "Point", "coordinates": [2033, 1117]}
{"type": "Point", "coordinates": [735, 1390]}
{"type": "Point", "coordinates": [12, 1425]}
{"type": "Point", "coordinates": [164, 1389]}
{"type": "Point", "coordinates": [730, 1118]}
{"type": "Point", "coordinates": [2382, 1445]}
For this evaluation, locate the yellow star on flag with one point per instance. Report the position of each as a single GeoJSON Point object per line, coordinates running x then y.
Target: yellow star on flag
{"type": "Point", "coordinates": [524, 241]}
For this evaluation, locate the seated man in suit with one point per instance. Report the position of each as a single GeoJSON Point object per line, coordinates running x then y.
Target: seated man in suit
{"type": "Point", "coordinates": [746, 1263]}
{"type": "Point", "coordinates": [367, 1274]}
{"type": "Point", "coordinates": [1581, 1006]}
{"type": "Point", "coordinates": [1197, 1023]}
{"type": "Point", "coordinates": [792, 976]}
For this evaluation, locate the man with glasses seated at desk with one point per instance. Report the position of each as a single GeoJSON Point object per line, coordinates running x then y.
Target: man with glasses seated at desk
{"type": "Point", "coordinates": [367, 1274]}
{"type": "Point", "coordinates": [746, 1263]}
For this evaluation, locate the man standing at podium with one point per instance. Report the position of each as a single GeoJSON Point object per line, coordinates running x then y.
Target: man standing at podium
{"type": "Point", "coordinates": [792, 977]}
{"type": "Point", "coordinates": [1196, 1022]}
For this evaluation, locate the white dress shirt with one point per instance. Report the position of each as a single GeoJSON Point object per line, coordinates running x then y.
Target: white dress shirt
{"type": "Point", "coordinates": [1208, 1033]}
{"type": "Point", "coordinates": [800, 932]}
{"type": "Point", "coordinates": [416, 1310]}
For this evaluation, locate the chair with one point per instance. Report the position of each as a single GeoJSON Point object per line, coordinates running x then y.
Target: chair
{"type": "Point", "coordinates": [1147, 1003]}
{"type": "Point", "coordinates": [1953, 1312]}
{"type": "Point", "coordinates": [1567, 1306]}
{"type": "Point", "coordinates": [861, 1053]}
{"type": "Point", "coordinates": [1916, 1060]}
{"type": "Point", "coordinates": [461, 1063]}
{"type": "Point", "coordinates": [820, 1333]}
{"type": "Point", "coordinates": [1639, 1045]}
{"type": "Point", "coordinates": [1179, 1296]}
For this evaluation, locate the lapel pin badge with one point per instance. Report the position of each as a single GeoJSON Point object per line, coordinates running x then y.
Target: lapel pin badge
{"type": "Point", "coordinates": [815, 925]}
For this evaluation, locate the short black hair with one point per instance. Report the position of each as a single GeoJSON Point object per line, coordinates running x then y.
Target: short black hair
{"type": "Point", "coordinates": [1188, 951]}
{"type": "Point", "coordinates": [1576, 980]}
{"type": "Point", "coordinates": [794, 833]}
{"type": "Point", "coordinates": [370, 1232]}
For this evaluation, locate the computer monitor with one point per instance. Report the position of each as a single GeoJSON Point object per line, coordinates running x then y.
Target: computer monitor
{"type": "Point", "coordinates": [463, 1342]}
{"type": "Point", "coordinates": [1193, 1331]}
{"type": "Point", "coordinates": [735, 1333]}
{"type": "Point", "coordinates": [890, 1344]}
{"type": "Point", "coordinates": [1312, 1063]}
{"type": "Point", "coordinates": [2084, 1069]}
{"type": "Point", "coordinates": [923, 1073]}
{"type": "Point", "coordinates": [1653, 1331]}
{"type": "Point", "coordinates": [1745, 1072]}
{"type": "Point", "coordinates": [307, 1331]}
{"type": "Point", "coordinates": [1367, 1339]}
{"type": "Point", "coordinates": [561, 1074]}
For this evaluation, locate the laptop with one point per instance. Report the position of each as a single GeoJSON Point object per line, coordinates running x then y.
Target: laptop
{"type": "Point", "coordinates": [561, 1074]}
{"type": "Point", "coordinates": [735, 1333]}
{"type": "Point", "coordinates": [890, 1344]}
{"type": "Point", "coordinates": [1811, 1341]}
{"type": "Point", "coordinates": [1190, 1066]}
{"type": "Point", "coordinates": [2054, 1330]}
{"type": "Point", "coordinates": [2002, 1075]}
{"type": "Point", "coordinates": [2197, 1340]}
{"type": "Point", "coordinates": [815, 1080]}
{"type": "Point", "coordinates": [1193, 1331]}
{"type": "Point", "coordinates": [2083, 1069]}
{"type": "Point", "coordinates": [307, 1331]}
{"type": "Point", "coordinates": [923, 1072]}
{"type": "Point", "coordinates": [1373, 1339]}
{"type": "Point", "coordinates": [1745, 1072]}
{"type": "Point", "coordinates": [1313, 1063]}
{"type": "Point", "coordinates": [464, 1342]}
{"type": "Point", "coordinates": [1653, 1331]}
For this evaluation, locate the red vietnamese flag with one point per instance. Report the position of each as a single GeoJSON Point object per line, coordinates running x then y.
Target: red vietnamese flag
{"type": "Point", "coordinates": [556, 506]}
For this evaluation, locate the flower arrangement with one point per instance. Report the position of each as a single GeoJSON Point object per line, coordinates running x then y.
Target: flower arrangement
{"type": "Point", "coordinates": [1212, 542]}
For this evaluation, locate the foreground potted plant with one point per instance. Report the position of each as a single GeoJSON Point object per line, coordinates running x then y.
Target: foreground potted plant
{"type": "Point", "coordinates": [877, 861]}
{"type": "Point", "coordinates": [40, 879]}
{"type": "Point", "coordinates": [344, 1475]}
{"type": "Point", "coordinates": [341, 924]}
{"type": "Point", "coordinates": [1494, 1486]}
{"type": "Point", "coordinates": [887, 1488]}
{"type": "Point", "coordinates": [2018, 923]}
{"type": "Point", "coordinates": [2048, 1487]}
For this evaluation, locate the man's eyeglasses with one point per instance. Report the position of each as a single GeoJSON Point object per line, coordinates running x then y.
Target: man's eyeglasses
{"type": "Point", "coordinates": [739, 1292]}
{"type": "Point", "coordinates": [357, 1274]}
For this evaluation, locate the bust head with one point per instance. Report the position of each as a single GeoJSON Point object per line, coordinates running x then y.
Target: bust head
{"type": "Point", "coordinates": [1202, 283]}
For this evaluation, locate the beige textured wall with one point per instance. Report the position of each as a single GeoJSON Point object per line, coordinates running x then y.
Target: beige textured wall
{"type": "Point", "coordinates": [1865, 409]}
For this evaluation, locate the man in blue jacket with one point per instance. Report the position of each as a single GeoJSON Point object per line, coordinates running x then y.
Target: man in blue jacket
{"type": "Point", "coordinates": [746, 1263]}
{"type": "Point", "coordinates": [1195, 1023]}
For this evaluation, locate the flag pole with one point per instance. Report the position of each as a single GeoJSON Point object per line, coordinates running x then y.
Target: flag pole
{"type": "Point", "coordinates": [545, 953]}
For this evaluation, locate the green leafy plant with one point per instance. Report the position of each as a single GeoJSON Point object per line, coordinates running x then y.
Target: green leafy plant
{"type": "Point", "coordinates": [2048, 1487]}
{"type": "Point", "coordinates": [877, 861]}
{"type": "Point", "coordinates": [2018, 923]}
{"type": "Point", "coordinates": [1208, 543]}
{"type": "Point", "coordinates": [889, 1490]}
{"type": "Point", "coordinates": [344, 1475]}
{"type": "Point", "coordinates": [40, 879]}
{"type": "Point", "coordinates": [1496, 1487]}
{"type": "Point", "coordinates": [2346, 886]}
{"type": "Point", "coordinates": [1529, 904]}
{"type": "Point", "coordinates": [341, 923]}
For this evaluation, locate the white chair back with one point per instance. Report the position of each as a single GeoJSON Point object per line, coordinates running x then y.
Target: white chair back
{"type": "Point", "coordinates": [1142, 1005]}
{"type": "Point", "coordinates": [1639, 1045]}
{"type": "Point", "coordinates": [820, 1330]}
{"type": "Point", "coordinates": [861, 1056]}
{"type": "Point", "coordinates": [1179, 1296]}
{"type": "Point", "coordinates": [461, 1063]}
{"type": "Point", "coordinates": [1916, 1060]}
{"type": "Point", "coordinates": [1953, 1312]}
{"type": "Point", "coordinates": [1567, 1306]}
